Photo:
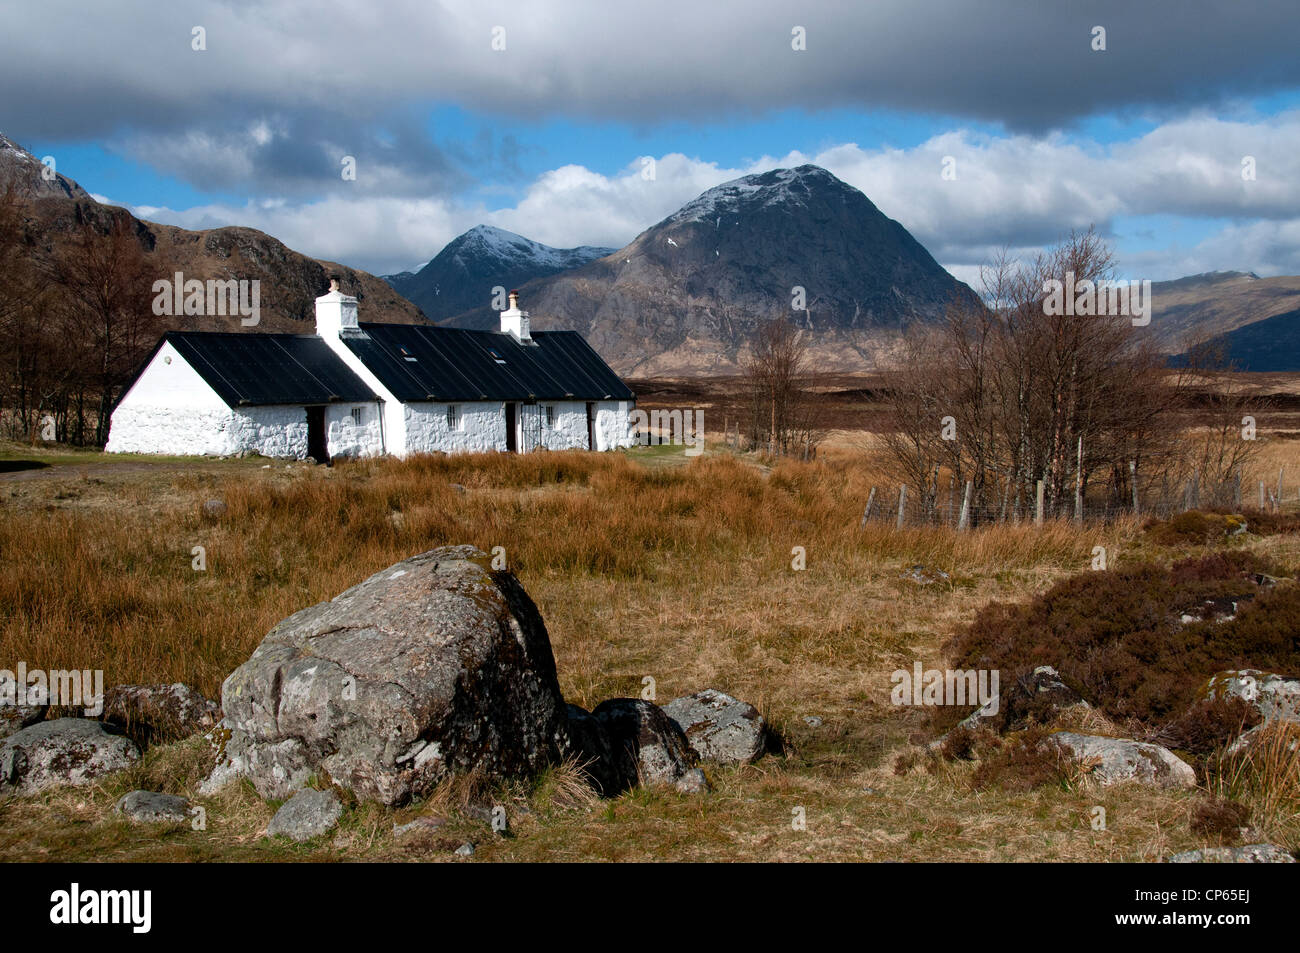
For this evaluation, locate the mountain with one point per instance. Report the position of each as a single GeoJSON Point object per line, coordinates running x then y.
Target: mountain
{"type": "Point", "coordinates": [30, 178]}
{"type": "Point", "coordinates": [1271, 344]}
{"type": "Point", "coordinates": [686, 295]}
{"type": "Point", "coordinates": [1192, 309]}
{"type": "Point", "coordinates": [55, 210]}
{"type": "Point", "coordinates": [464, 273]}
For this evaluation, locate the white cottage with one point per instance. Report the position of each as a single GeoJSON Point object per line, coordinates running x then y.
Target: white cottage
{"type": "Point", "coordinates": [354, 389]}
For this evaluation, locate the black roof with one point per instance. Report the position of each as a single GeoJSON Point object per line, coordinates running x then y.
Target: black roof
{"type": "Point", "coordinates": [418, 362]}
{"type": "Point", "coordinates": [268, 368]}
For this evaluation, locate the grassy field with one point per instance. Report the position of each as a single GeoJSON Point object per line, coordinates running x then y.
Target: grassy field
{"type": "Point", "coordinates": [643, 564]}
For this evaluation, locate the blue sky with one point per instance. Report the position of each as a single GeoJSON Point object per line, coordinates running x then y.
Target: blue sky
{"type": "Point", "coordinates": [1144, 139]}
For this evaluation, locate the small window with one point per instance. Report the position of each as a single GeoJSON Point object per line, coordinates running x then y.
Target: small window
{"type": "Point", "coordinates": [357, 415]}
{"type": "Point", "coordinates": [407, 355]}
{"type": "Point", "coordinates": [453, 417]}
{"type": "Point", "coordinates": [549, 411]}
{"type": "Point", "coordinates": [496, 355]}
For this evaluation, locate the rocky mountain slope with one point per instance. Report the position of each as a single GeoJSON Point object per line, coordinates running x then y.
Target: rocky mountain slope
{"type": "Point", "coordinates": [686, 295]}
{"type": "Point", "coordinates": [56, 209]}
{"type": "Point", "coordinates": [1192, 309]}
{"type": "Point", "coordinates": [461, 277]}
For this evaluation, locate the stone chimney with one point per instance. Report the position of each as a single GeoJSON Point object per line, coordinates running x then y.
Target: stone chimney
{"type": "Point", "coordinates": [515, 322]}
{"type": "Point", "coordinates": [335, 311]}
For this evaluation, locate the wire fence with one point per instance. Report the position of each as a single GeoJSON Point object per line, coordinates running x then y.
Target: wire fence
{"type": "Point", "coordinates": [957, 507]}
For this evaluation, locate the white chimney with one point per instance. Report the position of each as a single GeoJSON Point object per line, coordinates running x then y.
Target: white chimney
{"type": "Point", "coordinates": [335, 312]}
{"type": "Point", "coordinates": [515, 322]}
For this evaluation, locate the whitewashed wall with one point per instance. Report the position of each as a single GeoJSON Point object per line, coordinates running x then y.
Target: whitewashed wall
{"type": "Point", "coordinates": [613, 427]}
{"type": "Point", "coordinates": [345, 439]}
{"type": "Point", "coordinates": [482, 427]}
{"type": "Point", "coordinates": [170, 409]}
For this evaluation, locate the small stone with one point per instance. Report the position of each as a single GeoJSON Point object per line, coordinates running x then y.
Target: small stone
{"type": "Point", "coordinates": [427, 824]}
{"type": "Point", "coordinates": [152, 808]}
{"type": "Point", "coordinates": [307, 814]}
{"type": "Point", "coordinates": [693, 781]}
{"type": "Point", "coordinates": [812, 721]}
{"type": "Point", "coordinates": [465, 850]}
{"type": "Point", "coordinates": [720, 728]}
{"type": "Point", "coordinates": [1250, 854]}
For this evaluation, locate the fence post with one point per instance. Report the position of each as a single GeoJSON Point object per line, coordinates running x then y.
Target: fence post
{"type": "Point", "coordinates": [1038, 505]}
{"type": "Point", "coordinates": [866, 514]}
{"type": "Point", "coordinates": [964, 520]}
{"type": "Point", "coordinates": [902, 503]}
{"type": "Point", "coordinates": [1261, 495]}
{"type": "Point", "coordinates": [1133, 482]}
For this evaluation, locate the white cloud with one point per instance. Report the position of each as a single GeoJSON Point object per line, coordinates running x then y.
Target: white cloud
{"type": "Point", "coordinates": [1020, 192]}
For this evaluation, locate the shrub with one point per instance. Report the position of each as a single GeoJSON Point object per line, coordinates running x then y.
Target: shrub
{"type": "Point", "coordinates": [1118, 636]}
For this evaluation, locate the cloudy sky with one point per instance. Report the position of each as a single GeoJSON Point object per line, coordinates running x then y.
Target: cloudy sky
{"type": "Point", "coordinates": [537, 117]}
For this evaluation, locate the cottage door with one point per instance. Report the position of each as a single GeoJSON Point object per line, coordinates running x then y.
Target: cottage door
{"type": "Point", "coordinates": [317, 448]}
{"type": "Point", "coordinates": [512, 437]}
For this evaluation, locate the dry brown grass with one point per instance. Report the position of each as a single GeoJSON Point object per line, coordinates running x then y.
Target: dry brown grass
{"type": "Point", "coordinates": [678, 571]}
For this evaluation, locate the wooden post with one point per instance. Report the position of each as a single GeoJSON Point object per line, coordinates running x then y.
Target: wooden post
{"type": "Point", "coordinates": [1078, 484]}
{"type": "Point", "coordinates": [1133, 482]}
{"type": "Point", "coordinates": [866, 514]}
{"type": "Point", "coordinates": [964, 520]}
{"type": "Point", "coordinates": [1038, 505]}
{"type": "Point", "coordinates": [902, 503]}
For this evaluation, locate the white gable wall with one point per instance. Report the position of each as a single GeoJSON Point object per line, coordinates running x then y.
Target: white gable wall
{"type": "Point", "coordinates": [613, 424]}
{"type": "Point", "coordinates": [336, 311]}
{"type": "Point", "coordinates": [170, 409]}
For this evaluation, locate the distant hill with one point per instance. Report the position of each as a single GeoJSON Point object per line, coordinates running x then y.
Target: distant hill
{"type": "Point", "coordinates": [685, 296]}
{"type": "Point", "coordinates": [56, 209]}
{"type": "Point", "coordinates": [1192, 309]}
{"type": "Point", "coordinates": [463, 274]}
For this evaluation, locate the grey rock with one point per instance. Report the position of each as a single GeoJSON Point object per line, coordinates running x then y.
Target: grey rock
{"type": "Point", "coordinates": [1122, 759]}
{"type": "Point", "coordinates": [426, 824]}
{"type": "Point", "coordinates": [924, 576]}
{"type": "Point", "coordinates": [307, 814]}
{"type": "Point", "coordinates": [153, 808]}
{"type": "Point", "coordinates": [624, 742]}
{"type": "Point", "coordinates": [1272, 695]}
{"type": "Point", "coordinates": [693, 781]}
{"type": "Point", "coordinates": [73, 751]}
{"type": "Point", "coordinates": [465, 850]}
{"type": "Point", "coordinates": [1035, 698]}
{"type": "Point", "coordinates": [434, 666]}
{"type": "Point", "coordinates": [15, 717]}
{"type": "Point", "coordinates": [720, 728]}
{"type": "Point", "coordinates": [812, 721]}
{"type": "Point", "coordinates": [215, 508]}
{"type": "Point", "coordinates": [1249, 854]}
{"type": "Point", "coordinates": [150, 714]}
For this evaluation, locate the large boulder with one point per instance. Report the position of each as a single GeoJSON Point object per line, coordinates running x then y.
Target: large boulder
{"type": "Point", "coordinates": [720, 728]}
{"type": "Point", "coordinates": [1121, 759]}
{"type": "Point", "coordinates": [72, 751]}
{"type": "Point", "coordinates": [434, 666]}
{"type": "Point", "coordinates": [158, 713]}
{"type": "Point", "coordinates": [625, 742]}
